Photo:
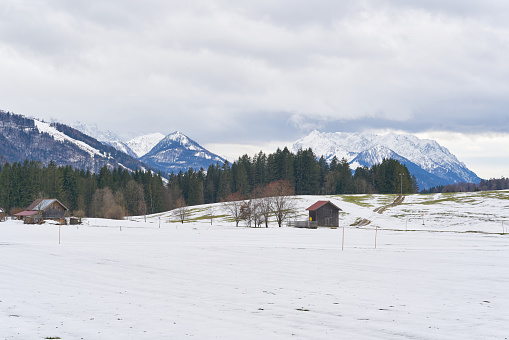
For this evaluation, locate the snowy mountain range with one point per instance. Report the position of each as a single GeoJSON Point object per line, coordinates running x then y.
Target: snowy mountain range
{"type": "Point", "coordinates": [28, 138]}
{"type": "Point", "coordinates": [143, 144]}
{"type": "Point", "coordinates": [170, 153]}
{"type": "Point", "coordinates": [431, 163]}
{"type": "Point", "coordinates": [177, 152]}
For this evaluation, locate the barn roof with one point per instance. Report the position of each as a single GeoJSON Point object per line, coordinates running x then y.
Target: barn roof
{"type": "Point", "coordinates": [26, 213]}
{"type": "Point", "coordinates": [319, 204]}
{"type": "Point", "coordinates": [43, 204]}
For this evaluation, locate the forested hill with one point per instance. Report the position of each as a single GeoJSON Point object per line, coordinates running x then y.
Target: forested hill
{"type": "Point", "coordinates": [25, 138]}
{"type": "Point", "coordinates": [116, 192]}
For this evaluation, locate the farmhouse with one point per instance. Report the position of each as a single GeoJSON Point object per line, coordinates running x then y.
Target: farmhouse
{"type": "Point", "coordinates": [324, 214]}
{"type": "Point", "coordinates": [43, 209]}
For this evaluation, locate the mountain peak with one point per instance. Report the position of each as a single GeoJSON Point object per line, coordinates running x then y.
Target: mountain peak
{"type": "Point", "coordinates": [141, 145]}
{"type": "Point", "coordinates": [33, 139]}
{"type": "Point", "coordinates": [177, 152]}
{"type": "Point", "coordinates": [367, 149]}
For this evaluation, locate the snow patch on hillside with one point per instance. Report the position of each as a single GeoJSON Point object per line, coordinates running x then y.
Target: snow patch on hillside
{"type": "Point", "coordinates": [372, 149]}
{"type": "Point", "coordinates": [143, 144]}
{"type": "Point", "coordinates": [62, 137]}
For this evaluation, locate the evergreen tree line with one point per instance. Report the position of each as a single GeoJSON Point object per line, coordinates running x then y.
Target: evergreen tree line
{"type": "Point", "coordinates": [114, 193]}
{"type": "Point", "coordinates": [306, 174]}
{"type": "Point", "coordinates": [109, 193]}
{"type": "Point", "coordinates": [484, 185]}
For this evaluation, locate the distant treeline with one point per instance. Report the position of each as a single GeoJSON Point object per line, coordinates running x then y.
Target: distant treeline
{"type": "Point", "coordinates": [484, 185]}
{"type": "Point", "coordinates": [307, 175]}
{"type": "Point", "coordinates": [109, 193]}
{"type": "Point", "coordinates": [113, 193]}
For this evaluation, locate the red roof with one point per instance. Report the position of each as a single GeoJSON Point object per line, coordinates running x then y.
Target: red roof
{"type": "Point", "coordinates": [26, 213]}
{"type": "Point", "coordinates": [319, 204]}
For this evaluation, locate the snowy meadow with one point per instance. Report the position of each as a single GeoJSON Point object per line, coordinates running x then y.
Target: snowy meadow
{"type": "Point", "coordinates": [440, 270]}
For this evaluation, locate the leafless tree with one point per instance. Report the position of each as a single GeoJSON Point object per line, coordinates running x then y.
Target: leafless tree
{"type": "Point", "coordinates": [104, 205]}
{"type": "Point", "coordinates": [265, 208]}
{"type": "Point", "coordinates": [135, 198]}
{"type": "Point", "coordinates": [181, 211]}
{"type": "Point", "coordinates": [246, 213]}
{"type": "Point", "coordinates": [211, 213]}
{"type": "Point", "coordinates": [233, 204]}
{"type": "Point", "coordinates": [283, 204]}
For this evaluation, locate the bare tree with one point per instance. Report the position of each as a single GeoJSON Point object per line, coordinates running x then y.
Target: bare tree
{"type": "Point", "coordinates": [265, 209]}
{"type": "Point", "coordinates": [211, 213]}
{"type": "Point", "coordinates": [181, 211]}
{"type": "Point", "coordinates": [233, 204]}
{"type": "Point", "coordinates": [261, 207]}
{"type": "Point", "coordinates": [282, 204]}
{"type": "Point", "coordinates": [104, 205]}
{"type": "Point", "coordinates": [246, 213]}
{"type": "Point", "coordinates": [135, 198]}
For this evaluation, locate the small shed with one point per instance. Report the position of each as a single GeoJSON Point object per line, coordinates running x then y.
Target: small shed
{"type": "Point", "coordinates": [324, 213]}
{"type": "Point", "coordinates": [2, 214]}
{"type": "Point", "coordinates": [43, 209]}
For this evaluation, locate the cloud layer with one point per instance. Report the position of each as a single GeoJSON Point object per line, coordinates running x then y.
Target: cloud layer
{"type": "Point", "coordinates": [243, 70]}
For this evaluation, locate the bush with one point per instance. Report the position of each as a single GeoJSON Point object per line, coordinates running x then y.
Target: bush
{"type": "Point", "coordinates": [16, 210]}
{"type": "Point", "coordinates": [114, 212]}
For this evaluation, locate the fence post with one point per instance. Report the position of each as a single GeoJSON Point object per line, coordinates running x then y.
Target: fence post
{"type": "Point", "coordinates": [343, 240]}
{"type": "Point", "coordinates": [376, 232]}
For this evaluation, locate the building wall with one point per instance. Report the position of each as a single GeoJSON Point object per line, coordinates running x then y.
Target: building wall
{"type": "Point", "coordinates": [327, 216]}
{"type": "Point", "coordinates": [54, 211]}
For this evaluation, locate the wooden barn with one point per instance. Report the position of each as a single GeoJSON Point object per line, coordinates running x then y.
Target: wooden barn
{"type": "Point", "coordinates": [43, 209]}
{"type": "Point", "coordinates": [324, 214]}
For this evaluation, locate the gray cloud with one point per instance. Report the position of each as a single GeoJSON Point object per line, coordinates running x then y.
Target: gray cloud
{"type": "Point", "coordinates": [241, 71]}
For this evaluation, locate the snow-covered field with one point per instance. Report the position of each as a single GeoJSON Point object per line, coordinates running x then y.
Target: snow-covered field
{"type": "Point", "coordinates": [445, 279]}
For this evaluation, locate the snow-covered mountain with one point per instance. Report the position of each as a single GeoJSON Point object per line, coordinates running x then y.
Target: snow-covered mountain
{"type": "Point", "coordinates": [177, 152]}
{"type": "Point", "coordinates": [121, 146]}
{"type": "Point", "coordinates": [143, 144]}
{"type": "Point", "coordinates": [93, 130]}
{"type": "Point", "coordinates": [106, 137]}
{"type": "Point", "coordinates": [431, 163]}
{"type": "Point", "coordinates": [27, 138]}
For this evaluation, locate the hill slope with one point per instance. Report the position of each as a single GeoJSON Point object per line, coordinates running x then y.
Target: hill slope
{"type": "Point", "coordinates": [26, 138]}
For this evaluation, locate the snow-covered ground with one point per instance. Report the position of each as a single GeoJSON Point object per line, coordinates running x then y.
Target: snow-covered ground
{"type": "Point", "coordinates": [446, 279]}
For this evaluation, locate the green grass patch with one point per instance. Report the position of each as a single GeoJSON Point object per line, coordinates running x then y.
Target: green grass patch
{"type": "Point", "coordinates": [205, 218]}
{"type": "Point", "coordinates": [357, 199]}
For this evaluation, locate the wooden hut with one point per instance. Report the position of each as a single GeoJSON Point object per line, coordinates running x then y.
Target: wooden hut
{"type": "Point", "coordinates": [43, 209]}
{"type": "Point", "coordinates": [2, 214]}
{"type": "Point", "coordinates": [324, 214]}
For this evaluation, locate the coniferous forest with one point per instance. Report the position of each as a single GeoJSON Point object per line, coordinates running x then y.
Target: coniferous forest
{"type": "Point", "coordinates": [114, 193]}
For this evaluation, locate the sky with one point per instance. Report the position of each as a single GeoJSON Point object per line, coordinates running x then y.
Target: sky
{"type": "Point", "coordinates": [243, 76]}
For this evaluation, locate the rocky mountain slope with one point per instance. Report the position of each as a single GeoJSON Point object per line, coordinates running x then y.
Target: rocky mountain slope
{"type": "Point", "coordinates": [141, 145]}
{"type": "Point", "coordinates": [27, 138]}
{"type": "Point", "coordinates": [177, 152]}
{"type": "Point", "coordinates": [170, 153]}
{"type": "Point", "coordinates": [431, 163]}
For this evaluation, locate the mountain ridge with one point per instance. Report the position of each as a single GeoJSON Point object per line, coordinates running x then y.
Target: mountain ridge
{"type": "Point", "coordinates": [29, 138]}
{"type": "Point", "coordinates": [438, 165]}
{"type": "Point", "coordinates": [177, 152]}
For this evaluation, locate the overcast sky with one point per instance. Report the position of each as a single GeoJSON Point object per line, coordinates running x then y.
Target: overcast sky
{"type": "Point", "coordinates": [239, 76]}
